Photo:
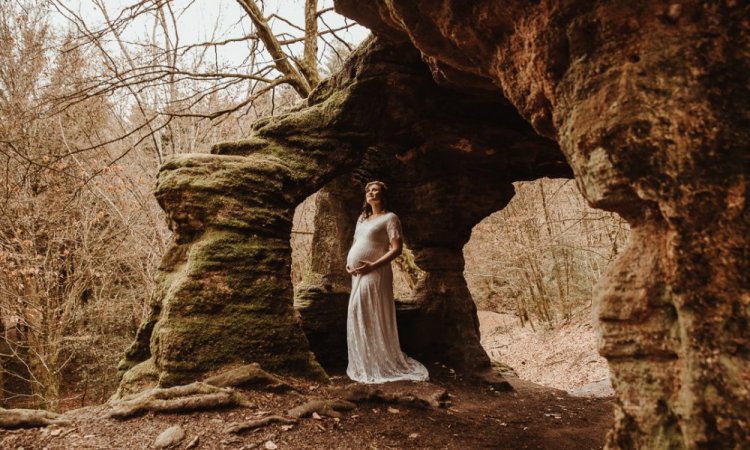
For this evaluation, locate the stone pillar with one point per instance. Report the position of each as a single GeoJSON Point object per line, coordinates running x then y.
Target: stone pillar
{"type": "Point", "coordinates": [445, 326]}
{"type": "Point", "coordinates": [439, 204]}
{"type": "Point", "coordinates": [224, 289]}
{"type": "Point", "coordinates": [656, 128]}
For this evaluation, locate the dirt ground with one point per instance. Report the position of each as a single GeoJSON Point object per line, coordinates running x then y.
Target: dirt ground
{"type": "Point", "coordinates": [565, 357]}
{"type": "Point", "coordinates": [530, 417]}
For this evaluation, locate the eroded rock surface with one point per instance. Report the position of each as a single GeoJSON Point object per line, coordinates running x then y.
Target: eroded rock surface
{"type": "Point", "coordinates": [649, 102]}
{"type": "Point", "coordinates": [225, 294]}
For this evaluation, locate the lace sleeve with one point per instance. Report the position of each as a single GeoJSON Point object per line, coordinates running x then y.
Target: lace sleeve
{"type": "Point", "coordinates": [394, 227]}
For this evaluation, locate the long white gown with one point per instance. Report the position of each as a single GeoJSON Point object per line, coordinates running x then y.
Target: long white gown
{"type": "Point", "coordinates": [375, 354]}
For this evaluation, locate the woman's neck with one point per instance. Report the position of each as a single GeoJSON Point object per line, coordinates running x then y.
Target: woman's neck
{"type": "Point", "coordinates": [377, 210]}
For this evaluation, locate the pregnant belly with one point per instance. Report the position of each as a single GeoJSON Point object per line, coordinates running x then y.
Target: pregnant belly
{"type": "Point", "coordinates": [363, 251]}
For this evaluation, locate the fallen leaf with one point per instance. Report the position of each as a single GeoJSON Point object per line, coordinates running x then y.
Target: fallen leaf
{"type": "Point", "coordinates": [286, 427]}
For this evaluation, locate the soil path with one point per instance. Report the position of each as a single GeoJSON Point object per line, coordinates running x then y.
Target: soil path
{"type": "Point", "coordinates": [531, 417]}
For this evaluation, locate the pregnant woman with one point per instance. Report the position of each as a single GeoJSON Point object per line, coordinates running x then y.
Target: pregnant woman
{"type": "Point", "coordinates": [374, 351]}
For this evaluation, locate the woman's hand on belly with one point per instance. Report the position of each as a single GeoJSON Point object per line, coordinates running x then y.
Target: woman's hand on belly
{"type": "Point", "coordinates": [365, 268]}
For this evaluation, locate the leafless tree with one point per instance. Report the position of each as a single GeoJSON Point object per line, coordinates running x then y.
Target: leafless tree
{"type": "Point", "coordinates": [166, 79]}
{"type": "Point", "coordinates": [87, 115]}
{"type": "Point", "coordinates": [541, 256]}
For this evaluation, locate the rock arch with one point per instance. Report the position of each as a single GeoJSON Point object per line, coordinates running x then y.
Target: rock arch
{"type": "Point", "coordinates": [221, 299]}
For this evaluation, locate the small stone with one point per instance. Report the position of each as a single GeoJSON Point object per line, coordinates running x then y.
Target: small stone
{"type": "Point", "coordinates": [675, 11]}
{"type": "Point", "coordinates": [286, 427]}
{"type": "Point", "coordinates": [55, 432]}
{"type": "Point", "coordinates": [170, 437]}
{"type": "Point", "coordinates": [316, 416]}
{"type": "Point", "coordinates": [393, 410]}
{"type": "Point", "coordinates": [413, 435]}
{"type": "Point", "coordinates": [269, 445]}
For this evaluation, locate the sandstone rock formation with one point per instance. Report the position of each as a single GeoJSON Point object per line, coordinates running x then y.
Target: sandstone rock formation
{"type": "Point", "coordinates": [649, 103]}
{"type": "Point", "coordinates": [225, 292]}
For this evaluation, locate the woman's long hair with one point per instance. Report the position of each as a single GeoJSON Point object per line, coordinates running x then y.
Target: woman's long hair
{"type": "Point", "coordinates": [366, 208]}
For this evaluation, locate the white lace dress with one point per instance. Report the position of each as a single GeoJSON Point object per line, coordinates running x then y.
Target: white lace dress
{"type": "Point", "coordinates": [375, 354]}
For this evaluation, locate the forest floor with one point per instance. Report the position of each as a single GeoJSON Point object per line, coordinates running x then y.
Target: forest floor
{"type": "Point", "coordinates": [478, 417]}
{"type": "Point", "coordinates": [564, 356]}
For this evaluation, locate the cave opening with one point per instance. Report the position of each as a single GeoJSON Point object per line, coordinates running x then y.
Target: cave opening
{"type": "Point", "coordinates": [531, 269]}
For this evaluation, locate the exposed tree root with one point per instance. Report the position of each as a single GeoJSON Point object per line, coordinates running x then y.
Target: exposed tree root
{"type": "Point", "coordinates": [250, 375]}
{"type": "Point", "coordinates": [324, 407]}
{"type": "Point", "coordinates": [358, 393]}
{"type": "Point", "coordinates": [190, 397]}
{"type": "Point", "coordinates": [253, 424]}
{"type": "Point", "coordinates": [29, 418]}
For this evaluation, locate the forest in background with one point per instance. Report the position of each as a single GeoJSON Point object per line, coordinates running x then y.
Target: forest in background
{"type": "Point", "coordinates": [540, 257]}
{"type": "Point", "coordinates": [94, 96]}
{"type": "Point", "coordinates": [89, 110]}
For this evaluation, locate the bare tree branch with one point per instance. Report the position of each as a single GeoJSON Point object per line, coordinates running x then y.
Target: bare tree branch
{"type": "Point", "coordinates": [298, 82]}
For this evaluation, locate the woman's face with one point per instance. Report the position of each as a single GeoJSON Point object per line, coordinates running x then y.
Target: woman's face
{"type": "Point", "coordinates": [374, 194]}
